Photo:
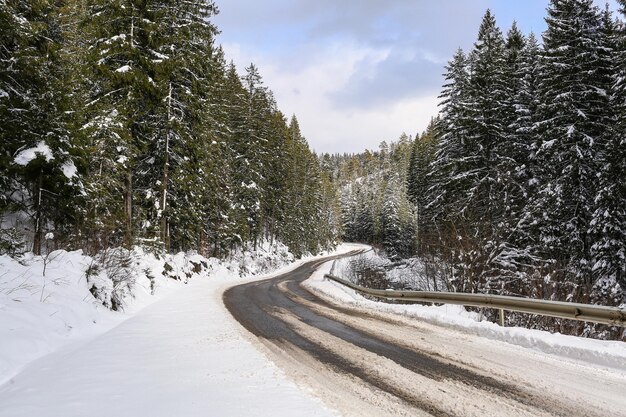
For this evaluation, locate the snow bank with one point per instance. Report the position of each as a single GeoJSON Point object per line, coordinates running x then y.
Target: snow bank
{"type": "Point", "coordinates": [609, 354]}
{"type": "Point", "coordinates": [39, 313]}
{"type": "Point", "coordinates": [184, 355]}
{"type": "Point", "coordinates": [72, 301]}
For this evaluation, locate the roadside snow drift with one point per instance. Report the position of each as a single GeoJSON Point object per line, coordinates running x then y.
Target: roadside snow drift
{"type": "Point", "coordinates": [48, 301]}
{"type": "Point", "coordinates": [609, 354]}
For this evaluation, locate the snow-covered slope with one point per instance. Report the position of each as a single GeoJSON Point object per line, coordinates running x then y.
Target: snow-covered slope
{"type": "Point", "coordinates": [40, 313]}
{"type": "Point", "coordinates": [183, 355]}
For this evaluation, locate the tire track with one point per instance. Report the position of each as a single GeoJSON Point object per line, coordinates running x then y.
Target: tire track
{"type": "Point", "coordinates": [284, 314]}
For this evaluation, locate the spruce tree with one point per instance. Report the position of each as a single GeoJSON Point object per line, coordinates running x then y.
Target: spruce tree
{"type": "Point", "coordinates": [120, 93]}
{"type": "Point", "coordinates": [608, 222]}
{"type": "Point", "coordinates": [447, 177]}
{"type": "Point", "coordinates": [467, 178]}
{"type": "Point", "coordinates": [182, 49]}
{"type": "Point", "coordinates": [418, 176]}
{"type": "Point", "coordinates": [573, 103]}
{"type": "Point", "coordinates": [39, 162]}
{"type": "Point", "coordinates": [486, 130]}
{"type": "Point", "coordinates": [248, 142]}
{"type": "Point", "coordinates": [522, 172]}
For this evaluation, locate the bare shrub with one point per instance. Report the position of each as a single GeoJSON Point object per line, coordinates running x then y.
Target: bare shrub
{"type": "Point", "coordinates": [119, 278]}
{"type": "Point", "coordinates": [366, 271]}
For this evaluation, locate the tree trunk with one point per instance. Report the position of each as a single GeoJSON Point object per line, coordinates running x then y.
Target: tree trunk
{"type": "Point", "coordinates": [38, 220]}
{"type": "Point", "coordinates": [165, 238]}
{"type": "Point", "coordinates": [128, 210]}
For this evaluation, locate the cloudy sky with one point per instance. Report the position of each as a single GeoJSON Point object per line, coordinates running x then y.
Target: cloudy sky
{"type": "Point", "coordinates": [357, 72]}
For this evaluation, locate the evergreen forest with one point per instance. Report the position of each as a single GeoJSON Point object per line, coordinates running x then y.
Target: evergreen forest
{"type": "Point", "coordinates": [123, 123]}
{"type": "Point", "coordinates": [518, 186]}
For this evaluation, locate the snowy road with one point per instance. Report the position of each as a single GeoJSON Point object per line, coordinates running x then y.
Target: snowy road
{"type": "Point", "coordinates": [366, 363]}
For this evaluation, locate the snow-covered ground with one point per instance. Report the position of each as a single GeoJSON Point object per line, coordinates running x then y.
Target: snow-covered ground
{"type": "Point", "coordinates": [48, 301]}
{"type": "Point", "coordinates": [175, 349]}
{"type": "Point", "coordinates": [182, 355]}
{"type": "Point", "coordinates": [411, 273]}
{"type": "Point", "coordinates": [607, 354]}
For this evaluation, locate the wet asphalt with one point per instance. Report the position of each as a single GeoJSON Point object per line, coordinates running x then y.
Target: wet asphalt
{"type": "Point", "coordinates": [254, 306]}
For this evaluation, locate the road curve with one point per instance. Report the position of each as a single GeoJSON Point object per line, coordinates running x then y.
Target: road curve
{"type": "Point", "coordinates": [367, 363]}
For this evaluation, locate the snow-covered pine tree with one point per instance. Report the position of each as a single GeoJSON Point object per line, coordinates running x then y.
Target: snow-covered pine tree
{"type": "Point", "coordinates": [329, 219]}
{"type": "Point", "coordinates": [295, 224]}
{"type": "Point", "coordinates": [573, 111]}
{"type": "Point", "coordinates": [486, 129]}
{"type": "Point", "coordinates": [397, 220]}
{"type": "Point", "coordinates": [348, 214]}
{"type": "Point", "coordinates": [467, 197]}
{"type": "Point", "coordinates": [391, 226]}
{"type": "Point", "coordinates": [38, 162]}
{"type": "Point", "coordinates": [365, 222]}
{"type": "Point", "coordinates": [418, 176]}
{"type": "Point", "coordinates": [447, 176]}
{"type": "Point", "coordinates": [13, 92]}
{"type": "Point", "coordinates": [513, 155]}
{"type": "Point", "coordinates": [181, 51]}
{"type": "Point", "coordinates": [276, 169]}
{"type": "Point", "coordinates": [510, 256]}
{"type": "Point", "coordinates": [120, 93]}
{"type": "Point", "coordinates": [248, 141]}
{"type": "Point", "coordinates": [313, 203]}
{"type": "Point", "coordinates": [524, 133]}
{"type": "Point", "coordinates": [221, 228]}
{"type": "Point", "coordinates": [608, 223]}
{"type": "Point", "coordinates": [15, 78]}
{"type": "Point", "coordinates": [518, 229]}
{"type": "Point", "coordinates": [235, 106]}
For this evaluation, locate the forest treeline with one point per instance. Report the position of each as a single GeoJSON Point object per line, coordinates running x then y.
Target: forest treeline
{"type": "Point", "coordinates": [373, 196]}
{"type": "Point", "coordinates": [122, 123]}
{"type": "Point", "coordinates": [518, 186]}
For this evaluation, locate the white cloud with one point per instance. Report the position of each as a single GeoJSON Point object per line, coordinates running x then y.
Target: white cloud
{"type": "Point", "coordinates": [307, 91]}
{"type": "Point", "coordinates": [356, 130]}
{"type": "Point", "coordinates": [357, 72]}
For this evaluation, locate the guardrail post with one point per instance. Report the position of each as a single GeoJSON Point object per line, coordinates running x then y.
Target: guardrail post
{"type": "Point", "coordinates": [501, 317]}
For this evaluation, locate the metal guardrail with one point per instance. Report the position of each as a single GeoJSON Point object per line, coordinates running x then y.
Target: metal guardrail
{"type": "Point", "coordinates": [613, 316]}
